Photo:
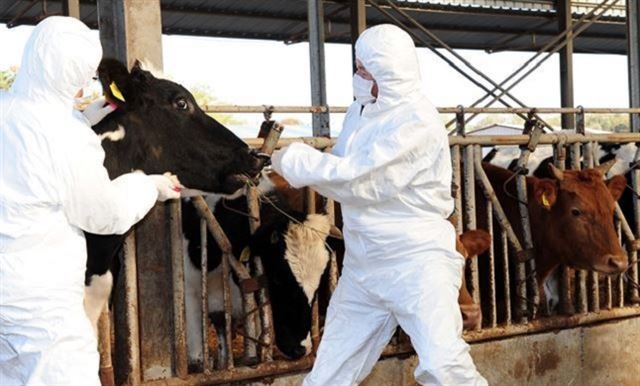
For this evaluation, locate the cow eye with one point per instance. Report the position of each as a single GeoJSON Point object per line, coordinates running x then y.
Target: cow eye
{"type": "Point", "coordinates": [576, 212]}
{"type": "Point", "coordinates": [182, 104]}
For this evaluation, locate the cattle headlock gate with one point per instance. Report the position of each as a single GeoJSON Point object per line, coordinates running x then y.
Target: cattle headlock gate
{"type": "Point", "coordinates": [149, 322]}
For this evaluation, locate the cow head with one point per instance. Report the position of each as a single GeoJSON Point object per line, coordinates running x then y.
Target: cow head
{"type": "Point", "coordinates": [576, 211]}
{"type": "Point", "coordinates": [294, 257]}
{"type": "Point", "coordinates": [159, 128]}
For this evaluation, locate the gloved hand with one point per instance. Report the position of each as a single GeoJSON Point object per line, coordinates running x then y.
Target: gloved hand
{"type": "Point", "coordinates": [276, 160]}
{"type": "Point", "coordinates": [96, 111]}
{"type": "Point", "coordinates": [168, 186]}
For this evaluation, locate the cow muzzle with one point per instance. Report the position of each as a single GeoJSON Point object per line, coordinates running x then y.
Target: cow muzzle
{"type": "Point", "coordinates": [613, 264]}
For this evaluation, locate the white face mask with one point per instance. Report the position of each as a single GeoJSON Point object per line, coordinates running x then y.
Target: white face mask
{"type": "Point", "coordinates": [362, 90]}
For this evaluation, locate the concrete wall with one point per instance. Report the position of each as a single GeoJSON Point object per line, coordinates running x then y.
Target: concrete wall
{"type": "Point", "coordinates": [599, 355]}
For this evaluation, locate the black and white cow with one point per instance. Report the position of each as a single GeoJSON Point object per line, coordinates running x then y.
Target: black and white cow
{"type": "Point", "coordinates": [158, 127]}
{"type": "Point", "coordinates": [294, 256]}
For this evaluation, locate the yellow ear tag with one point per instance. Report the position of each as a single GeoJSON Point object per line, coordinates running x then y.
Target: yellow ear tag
{"type": "Point", "coordinates": [116, 91]}
{"type": "Point", "coordinates": [245, 255]}
{"type": "Point", "coordinates": [545, 201]}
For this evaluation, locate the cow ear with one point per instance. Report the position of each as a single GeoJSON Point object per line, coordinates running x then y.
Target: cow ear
{"type": "Point", "coordinates": [114, 78]}
{"type": "Point", "coordinates": [616, 185]}
{"type": "Point", "coordinates": [138, 74]}
{"type": "Point", "coordinates": [545, 192]}
{"type": "Point", "coordinates": [475, 242]}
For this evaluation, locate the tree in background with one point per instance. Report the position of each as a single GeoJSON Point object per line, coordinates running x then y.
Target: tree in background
{"type": "Point", "coordinates": [204, 96]}
{"type": "Point", "coordinates": [7, 77]}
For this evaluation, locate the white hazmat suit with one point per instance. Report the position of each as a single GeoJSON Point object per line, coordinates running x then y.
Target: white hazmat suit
{"type": "Point", "coordinates": [52, 186]}
{"type": "Point", "coordinates": [391, 172]}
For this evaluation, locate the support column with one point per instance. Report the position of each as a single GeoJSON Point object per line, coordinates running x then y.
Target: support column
{"type": "Point", "coordinates": [130, 30]}
{"type": "Point", "coordinates": [633, 54]}
{"type": "Point", "coordinates": [566, 64]}
{"type": "Point", "coordinates": [315, 17]}
{"type": "Point", "coordinates": [71, 8]}
{"type": "Point", "coordinates": [358, 24]}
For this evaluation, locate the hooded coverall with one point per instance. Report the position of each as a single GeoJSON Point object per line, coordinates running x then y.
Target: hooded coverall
{"type": "Point", "coordinates": [52, 186]}
{"type": "Point", "coordinates": [391, 171]}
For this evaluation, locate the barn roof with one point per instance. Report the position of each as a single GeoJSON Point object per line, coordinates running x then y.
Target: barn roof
{"type": "Point", "coordinates": [491, 25]}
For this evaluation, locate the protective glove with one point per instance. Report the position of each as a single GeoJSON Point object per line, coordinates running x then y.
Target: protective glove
{"type": "Point", "coordinates": [168, 186]}
{"type": "Point", "coordinates": [276, 160]}
{"type": "Point", "coordinates": [96, 111]}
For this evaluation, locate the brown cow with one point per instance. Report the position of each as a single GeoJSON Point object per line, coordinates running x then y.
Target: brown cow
{"type": "Point", "coordinates": [571, 218]}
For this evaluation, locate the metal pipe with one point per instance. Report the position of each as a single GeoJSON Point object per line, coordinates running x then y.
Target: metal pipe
{"type": "Point", "coordinates": [226, 361]}
{"type": "Point", "coordinates": [470, 216]}
{"type": "Point", "coordinates": [566, 300]}
{"type": "Point", "coordinates": [457, 182]}
{"type": "Point", "coordinates": [131, 326]}
{"type": "Point", "coordinates": [505, 274]}
{"type": "Point", "coordinates": [581, 275]}
{"type": "Point", "coordinates": [442, 110]}
{"type": "Point", "coordinates": [177, 273]}
{"type": "Point", "coordinates": [521, 187]}
{"type": "Point", "coordinates": [493, 315]}
{"type": "Point", "coordinates": [634, 296]}
{"type": "Point", "coordinates": [104, 348]}
{"type": "Point", "coordinates": [204, 296]}
{"type": "Point", "coordinates": [315, 18]}
{"type": "Point", "coordinates": [618, 278]}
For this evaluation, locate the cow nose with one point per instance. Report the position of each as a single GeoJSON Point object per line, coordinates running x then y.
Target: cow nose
{"type": "Point", "coordinates": [617, 262]}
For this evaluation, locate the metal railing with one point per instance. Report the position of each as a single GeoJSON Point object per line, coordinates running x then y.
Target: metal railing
{"type": "Point", "coordinates": [618, 298]}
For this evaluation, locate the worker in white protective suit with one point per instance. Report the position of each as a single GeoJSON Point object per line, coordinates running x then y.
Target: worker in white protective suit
{"type": "Point", "coordinates": [52, 187]}
{"type": "Point", "coordinates": [391, 171]}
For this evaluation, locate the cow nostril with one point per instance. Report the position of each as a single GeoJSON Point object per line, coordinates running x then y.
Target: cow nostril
{"type": "Point", "coordinates": [617, 262]}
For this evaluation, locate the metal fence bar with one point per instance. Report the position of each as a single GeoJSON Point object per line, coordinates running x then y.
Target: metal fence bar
{"type": "Point", "coordinates": [132, 366]}
{"type": "Point", "coordinates": [493, 315]}
{"type": "Point", "coordinates": [470, 216]}
{"type": "Point", "coordinates": [442, 110]}
{"type": "Point", "coordinates": [505, 273]}
{"type": "Point", "coordinates": [266, 316]}
{"type": "Point", "coordinates": [565, 274]}
{"type": "Point", "coordinates": [104, 348]}
{"type": "Point", "coordinates": [582, 305]}
{"type": "Point", "coordinates": [633, 271]}
{"type": "Point", "coordinates": [177, 273]}
{"type": "Point", "coordinates": [204, 296]}
{"type": "Point", "coordinates": [227, 349]}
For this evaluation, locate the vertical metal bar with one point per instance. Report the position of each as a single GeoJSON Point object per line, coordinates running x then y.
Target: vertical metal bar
{"type": "Point", "coordinates": [177, 273]}
{"type": "Point", "coordinates": [252, 324]}
{"type": "Point", "coordinates": [619, 279]}
{"type": "Point", "coordinates": [358, 24]}
{"type": "Point", "coordinates": [633, 57]}
{"type": "Point", "coordinates": [71, 8]}
{"type": "Point", "coordinates": [315, 17]}
{"type": "Point", "coordinates": [128, 368]}
{"type": "Point", "coordinates": [581, 293]}
{"type": "Point", "coordinates": [634, 297]}
{"type": "Point", "coordinates": [204, 299]}
{"type": "Point", "coordinates": [104, 348]}
{"type": "Point", "coordinates": [330, 210]}
{"type": "Point", "coordinates": [457, 188]}
{"type": "Point", "coordinates": [530, 285]}
{"type": "Point", "coordinates": [228, 309]}
{"type": "Point", "coordinates": [566, 301]}
{"type": "Point", "coordinates": [266, 316]}
{"type": "Point", "coordinates": [589, 162]}
{"type": "Point", "coordinates": [470, 215]}
{"type": "Point", "coordinates": [310, 201]}
{"type": "Point", "coordinates": [565, 23]}
{"type": "Point", "coordinates": [493, 316]}
{"type": "Point", "coordinates": [505, 274]}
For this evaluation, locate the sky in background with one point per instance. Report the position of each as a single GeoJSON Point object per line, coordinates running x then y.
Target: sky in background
{"type": "Point", "coordinates": [252, 72]}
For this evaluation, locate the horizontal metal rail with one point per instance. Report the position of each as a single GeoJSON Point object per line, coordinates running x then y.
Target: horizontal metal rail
{"type": "Point", "coordinates": [442, 110]}
{"type": "Point", "coordinates": [484, 140]}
